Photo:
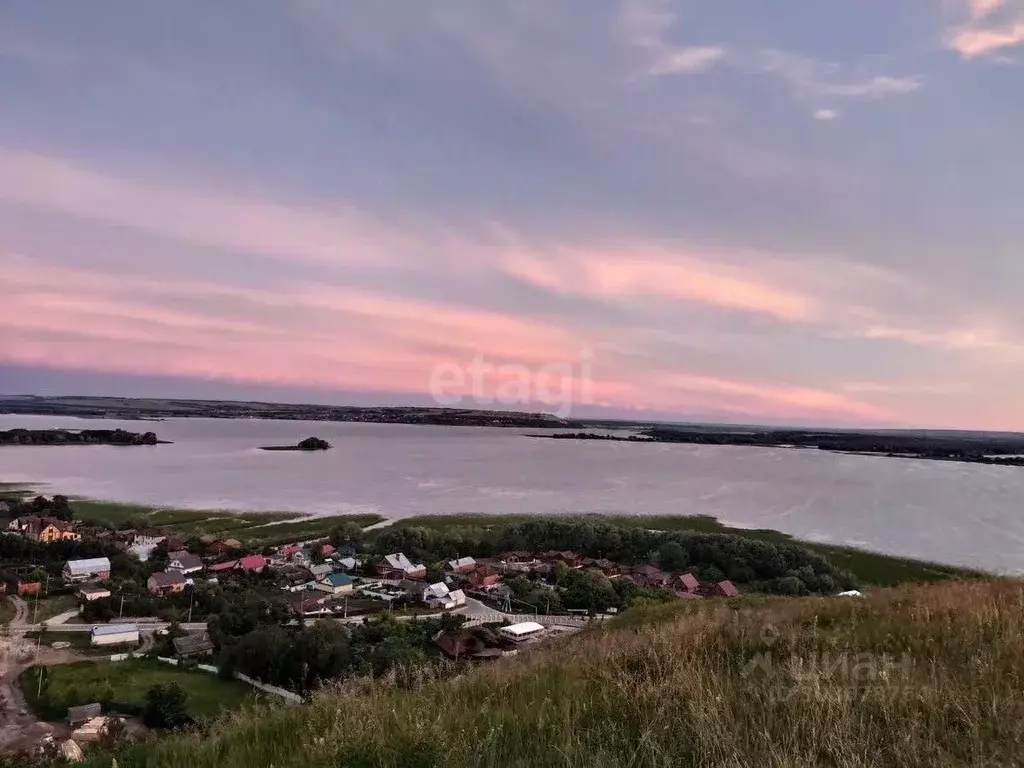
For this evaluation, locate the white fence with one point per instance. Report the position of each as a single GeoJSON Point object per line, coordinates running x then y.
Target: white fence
{"type": "Point", "coordinates": [289, 696]}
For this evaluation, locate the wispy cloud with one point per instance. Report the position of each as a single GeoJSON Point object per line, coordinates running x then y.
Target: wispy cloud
{"type": "Point", "coordinates": [691, 59]}
{"type": "Point", "coordinates": [825, 114]}
{"type": "Point", "coordinates": [813, 79]}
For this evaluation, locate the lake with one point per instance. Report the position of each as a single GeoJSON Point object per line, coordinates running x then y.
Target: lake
{"type": "Point", "coordinates": [965, 514]}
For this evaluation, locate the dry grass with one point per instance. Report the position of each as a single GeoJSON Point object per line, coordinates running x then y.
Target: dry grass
{"type": "Point", "coordinates": [912, 676]}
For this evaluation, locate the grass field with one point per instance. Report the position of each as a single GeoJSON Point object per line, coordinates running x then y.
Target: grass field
{"type": "Point", "coordinates": [870, 568]}
{"type": "Point", "coordinates": [48, 607]}
{"type": "Point", "coordinates": [248, 527]}
{"type": "Point", "coordinates": [921, 675]}
{"type": "Point", "coordinates": [80, 641]}
{"type": "Point", "coordinates": [128, 681]}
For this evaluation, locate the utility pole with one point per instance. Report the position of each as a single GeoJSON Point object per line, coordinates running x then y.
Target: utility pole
{"type": "Point", "coordinates": [120, 613]}
{"type": "Point", "coordinates": [192, 598]}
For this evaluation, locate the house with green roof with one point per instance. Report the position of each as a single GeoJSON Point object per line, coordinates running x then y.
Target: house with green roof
{"type": "Point", "coordinates": [336, 584]}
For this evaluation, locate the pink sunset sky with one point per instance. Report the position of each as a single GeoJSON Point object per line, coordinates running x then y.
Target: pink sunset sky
{"type": "Point", "coordinates": [734, 212]}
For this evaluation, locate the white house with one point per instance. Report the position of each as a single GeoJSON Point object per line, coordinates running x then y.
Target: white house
{"type": "Point", "coordinates": [115, 634]}
{"type": "Point", "coordinates": [184, 562]}
{"type": "Point", "coordinates": [439, 596]}
{"type": "Point", "coordinates": [148, 538]}
{"type": "Point", "coordinates": [401, 566]}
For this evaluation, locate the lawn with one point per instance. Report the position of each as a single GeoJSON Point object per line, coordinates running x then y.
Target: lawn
{"type": "Point", "coordinates": [48, 607]}
{"type": "Point", "coordinates": [127, 682]}
{"type": "Point", "coordinates": [870, 568]}
{"type": "Point", "coordinates": [80, 641]}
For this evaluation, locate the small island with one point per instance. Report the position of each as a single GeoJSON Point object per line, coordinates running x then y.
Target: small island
{"type": "Point", "coordinates": [77, 437]}
{"type": "Point", "coordinates": [309, 444]}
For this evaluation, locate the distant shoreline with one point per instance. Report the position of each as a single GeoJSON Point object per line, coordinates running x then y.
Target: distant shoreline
{"type": "Point", "coordinates": [1006, 452]}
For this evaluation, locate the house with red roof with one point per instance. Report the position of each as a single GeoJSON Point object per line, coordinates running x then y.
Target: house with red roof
{"type": "Point", "coordinates": [252, 563]}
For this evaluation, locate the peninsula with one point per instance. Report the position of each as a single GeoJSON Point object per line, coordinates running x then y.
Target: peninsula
{"type": "Point", "coordinates": [77, 437]}
{"type": "Point", "coordinates": [1006, 449]}
{"type": "Point", "coordinates": [159, 408]}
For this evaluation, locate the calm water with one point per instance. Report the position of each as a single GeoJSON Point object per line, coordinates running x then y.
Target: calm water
{"type": "Point", "coordinates": [957, 513]}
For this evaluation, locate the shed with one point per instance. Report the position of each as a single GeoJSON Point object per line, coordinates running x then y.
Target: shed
{"type": "Point", "coordinates": [84, 713]}
{"type": "Point", "coordinates": [114, 634]}
{"type": "Point", "coordinates": [197, 644]}
{"type": "Point", "coordinates": [519, 632]}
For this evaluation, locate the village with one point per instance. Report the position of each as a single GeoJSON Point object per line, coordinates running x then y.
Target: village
{"type": "Point", "coordinates": [94, 607]}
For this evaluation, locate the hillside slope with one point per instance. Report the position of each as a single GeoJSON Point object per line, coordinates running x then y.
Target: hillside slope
{"type": "Point", "coordinates": [925, 675]}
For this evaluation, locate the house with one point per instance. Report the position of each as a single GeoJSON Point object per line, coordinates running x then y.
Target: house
{"type": "Point", "coordinates": [90, 592]}
{"type": "Point", "coordinates": [518, 558]}
{"type": "Point", "coordinates": [309, 603]}
{"type": "Point", "coordinates": [114, 634]}
{"type": "Point", "coordinates": [725, 589]}
{"type": "Point", "coordinates": [398, 566]}
{"type": "Point", "coordinates": [302, 558]}
{"type": "Point", "coordinates": [227, 565]}
{"type": "Point", "coordinates": [151, 537]}
{"type": "Point", "coordinates": [45, 530]}
{"type": "Point", "coordinates": [319, 571]}
{"type": "Point", "coordinates": [649, 576]}
{"type": "Point", "coordinates": [348, 563]}
{"type": "Point", "coordinates": [686, 583]}
{"type": "Point", "coordinates": [288, 551]}
{"type": "Point", "coordinates": [184, 562]}
{"type": "Point", "coordinates": [190, 646]}
{"type": "Point", "coordinates": [567, 557]}
{"type": "Point", "coordinates": [252, 563]}
{"type": "Point", "coordinates": [602, 566]}
{"type": "Point", "coordinates": [483, 579]}
{"type": "Point", "coordinates": [79, 715]}
{"type": "Point", "coordinates": [336, 584]}
{"type": "Point", "coordinates": [224, 547]}
{"type": "Point", "coordinates": [439, 596]}
{"type": "Point", "coordinates": [165, 583]}
{"type": "Point", "coordinates": [462, 565]}
{"type": "Point", "coordinates": [92, 569]}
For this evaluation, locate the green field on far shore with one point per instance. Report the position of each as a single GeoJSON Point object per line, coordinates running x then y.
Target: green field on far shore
{"type": "Point", "coordinates": [870, 568]}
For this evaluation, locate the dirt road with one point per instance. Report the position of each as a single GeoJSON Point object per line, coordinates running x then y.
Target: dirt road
{"type": "Point", "coordinates": [19, 728]}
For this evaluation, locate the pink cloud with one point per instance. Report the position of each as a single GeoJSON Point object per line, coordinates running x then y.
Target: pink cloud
{"type": "Point", "coordinates": [647, 273]}
{"type": "Point", "coordinates": [992, 25]}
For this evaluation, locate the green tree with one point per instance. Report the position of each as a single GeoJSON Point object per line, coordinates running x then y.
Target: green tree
{"type": "Point", "coordinates": [166, 706]}
{"type": "Point", "coordinates": [672, 556]}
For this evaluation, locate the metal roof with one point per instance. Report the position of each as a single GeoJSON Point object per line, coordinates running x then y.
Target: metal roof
{"type": "Point", "coordinates": [522, 629]}
{"type": "Point", "coordinates": [92, 565]}
{"type": "Point", "coordinates": [114, 629]}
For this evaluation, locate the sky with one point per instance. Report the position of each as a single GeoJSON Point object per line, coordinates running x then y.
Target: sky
{"type": "Point", "coordinates": [786, 212]}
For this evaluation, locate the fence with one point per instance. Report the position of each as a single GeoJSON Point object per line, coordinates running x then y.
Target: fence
{"type": "Point", "coordinates": [289, 696]}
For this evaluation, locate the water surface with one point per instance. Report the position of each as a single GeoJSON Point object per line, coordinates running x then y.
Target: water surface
{"type": "Point", "coordinates": [966, 514]}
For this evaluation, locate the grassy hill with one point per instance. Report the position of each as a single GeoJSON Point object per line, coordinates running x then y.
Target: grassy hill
{"type": "Point", "coordinates": [910, 676]}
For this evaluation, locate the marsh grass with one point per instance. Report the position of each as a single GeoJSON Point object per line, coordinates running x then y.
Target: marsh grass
{"type": "Point", "coordinates": [914, 676]}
